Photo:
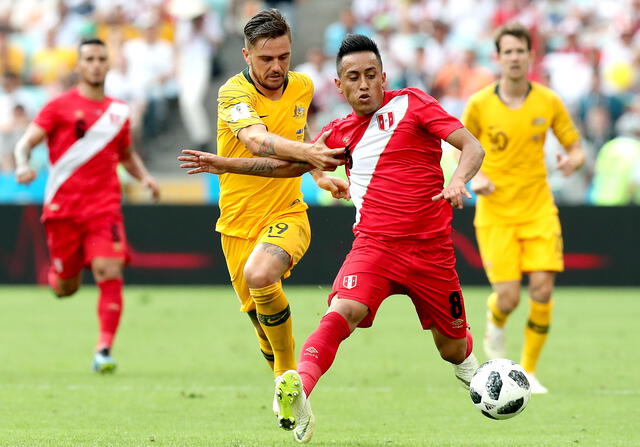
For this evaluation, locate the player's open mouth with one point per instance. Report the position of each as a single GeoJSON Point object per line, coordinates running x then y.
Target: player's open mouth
{"type": "Point", "coordinates": [364, 97]}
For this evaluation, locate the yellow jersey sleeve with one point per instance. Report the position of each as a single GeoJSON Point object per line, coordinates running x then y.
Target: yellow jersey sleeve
{"type": "Point", "coordinates": [561, 124]}
{"type": "Point", "coordinates": [469, 118]}
{"type": "Point", "coordinates": [236, 106]}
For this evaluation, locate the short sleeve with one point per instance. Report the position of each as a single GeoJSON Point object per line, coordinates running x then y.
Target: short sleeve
{"type": "Point", "coordinates": [470, 118]}
{"type": "Point", "coordinates": [433, 117]}
{"type": "Point", "coordinates": [235, 108]}
{"type": "Point", "coordinates": [323, 130]}
{"type": "Point", "coordinates": [563, 127]}
{"type": "Point", "coordinates": [47, 117]}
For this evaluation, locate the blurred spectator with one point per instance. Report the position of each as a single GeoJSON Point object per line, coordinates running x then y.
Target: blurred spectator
{"type": "Point", "coordinates": [569, 67]}
{"type": "Point", "coordinates": [198, 34]}
{"type": "Point", "coordinates": [11, 57]}
{"type": "Point", "coordinates": [72, 24]}
{"type": "Point", "coordinates": [52, 63]}
{"type": "Point", "coordinates": [149, 62]}
{"type": "Point", "coordinates": [598, 112]}
{"type": "Point", "coordinates": [336, 32]}
{"type": "Point", "coordinates": [287, 8]}
{"type": "Point", "coordinates": [465, 72]}
{"type": "Point", "coordinates": [617, 171]}
{"type": "Point", "coordinates": [414, 74]}
{"type": "Point", "coordinates": [618, 57]}
{"type": "Point", "coordinates": [438, 49]}
{"type": "Point", "coordinates": [13, 117]}
{"type": "Point", "coordinates": [322, 73]}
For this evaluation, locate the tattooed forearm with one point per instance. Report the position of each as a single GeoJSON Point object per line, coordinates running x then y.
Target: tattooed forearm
{"type": "Point", "coordinates": [268, 146]}
{"type": "Point", "coordinates": [270, 167]}
{"type": "Point", "coordinates": [256, 166]}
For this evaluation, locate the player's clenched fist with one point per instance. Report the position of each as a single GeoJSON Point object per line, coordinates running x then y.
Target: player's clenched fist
{"type": "Point", "coordinates": [25, 175]}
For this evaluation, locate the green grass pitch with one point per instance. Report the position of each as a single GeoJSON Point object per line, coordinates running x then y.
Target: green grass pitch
{"type": "Point", "coordinates": [190, 374]}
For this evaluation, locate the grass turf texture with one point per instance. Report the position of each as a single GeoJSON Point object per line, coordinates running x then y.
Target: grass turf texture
{"type": "Point", "coordinates": [190, 374]}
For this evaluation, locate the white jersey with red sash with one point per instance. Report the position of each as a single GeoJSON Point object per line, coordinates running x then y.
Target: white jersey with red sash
{"type": "Point", "coordinates": [394, 167]}
{"type": "Point", "coordinates": [86, 140]}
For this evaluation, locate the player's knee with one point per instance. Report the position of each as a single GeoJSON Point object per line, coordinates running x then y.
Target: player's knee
{"type": "Point", "coordinates": [541, 292]}
{"type": "Point", "coordinates": [258, 278]}
{"type": "Point", "coordinates": [508, 300]}
{"type": "Point", "coordinates": [104, 271]}
{"type": "Point", "coordinates": [453, 352]}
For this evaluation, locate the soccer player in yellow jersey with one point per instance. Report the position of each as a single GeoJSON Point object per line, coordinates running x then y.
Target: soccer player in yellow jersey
{"type": "Point", "coordinates": [516, 220]}
{"type": "Point", "coordinates": [262, 111]}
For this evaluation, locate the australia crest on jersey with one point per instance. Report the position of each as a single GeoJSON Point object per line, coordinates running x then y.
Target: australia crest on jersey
{"type": "Point", "coordinates": [385, 120]}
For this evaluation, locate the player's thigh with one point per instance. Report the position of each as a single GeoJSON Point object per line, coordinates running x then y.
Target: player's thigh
{"type": "Point", "coordinates": [435, 291]}
{"type": "Point", "coordinates": [105, 239]}
{"type": "Point", "coordinates": [236, 252]}
{"type": "Point", "coordinates": [365, 277]}
{"type": "Point", "coordinates": [292, 233]}
{"type": "Point", "coordinates": [65, 242]}
{"type": "Point", "coordinates": [542, 245]}
{"type": "Point", "coordinates": [500, 251]}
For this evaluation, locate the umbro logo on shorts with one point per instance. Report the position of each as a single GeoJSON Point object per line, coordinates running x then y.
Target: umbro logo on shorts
{"type": "Point", "coordinates": [311, 351]}
{"type": "Point", "coordinates": [350, 281]}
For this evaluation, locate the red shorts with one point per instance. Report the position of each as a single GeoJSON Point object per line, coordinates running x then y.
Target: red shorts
{"type": "Point", "coordinates": [73, 244]}
{"type": "Point", "coordinates": [422, 269]}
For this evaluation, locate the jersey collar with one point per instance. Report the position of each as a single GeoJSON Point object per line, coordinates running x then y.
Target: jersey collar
{"type": "Point", "coordinates": [496, 90]}
{"type": "Point", "coordinates": [245, 72]}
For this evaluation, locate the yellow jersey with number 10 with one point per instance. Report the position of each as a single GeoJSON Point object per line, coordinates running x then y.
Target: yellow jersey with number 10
{"type": "Point", "coordinates": [514, 161]}
{"type": "Point", "coordinates": [248, 202]}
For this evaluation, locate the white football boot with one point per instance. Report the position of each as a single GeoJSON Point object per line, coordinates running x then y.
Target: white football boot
{"type": "Point", "coordinates": [465, 370]}
{"type": "Point", "coordinates": [536, 386]}
{"type": "Point", "coordinates": [292, 407]}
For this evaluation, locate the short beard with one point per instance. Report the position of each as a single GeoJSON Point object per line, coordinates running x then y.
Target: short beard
{"type": "Point", "coordinates": [271, 89]}
{"type": "Point", "coordinates": [94, 84]}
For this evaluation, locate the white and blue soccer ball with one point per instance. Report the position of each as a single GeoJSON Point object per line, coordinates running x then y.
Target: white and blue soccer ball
{"type": "Point", "coordinates": [500, 389]}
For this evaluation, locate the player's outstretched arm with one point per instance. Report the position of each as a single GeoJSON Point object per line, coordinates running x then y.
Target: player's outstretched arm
{"type": "Point", "coordinates": [33, 136]}
{"type": "Point", "coordinates": [198, 162]}
{"type": "Point", "coordinates": [135, 166]}
{"type": "Point", "coordinates": [469, 164]}
{"type": "Point", "coordinates": [262, 143]}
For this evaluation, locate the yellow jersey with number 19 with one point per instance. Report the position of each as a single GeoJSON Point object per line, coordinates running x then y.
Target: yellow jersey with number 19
{"type": "Point", "coordinates": [248, 202]}
{"type": "Point", "coordinates": [514, 160]}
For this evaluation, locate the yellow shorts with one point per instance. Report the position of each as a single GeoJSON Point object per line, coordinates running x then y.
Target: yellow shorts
{"type": "Point", "coordinates": [509, 250]}
{"type": "Point", "coordinates": [291, 232]}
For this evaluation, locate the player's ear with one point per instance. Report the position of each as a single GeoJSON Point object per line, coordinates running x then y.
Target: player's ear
{"type": "Point", "coordinates": [384, 79]}
{"type": "Point", "coordinates": [338, 85]}
{"type": "Point", "coordinates": [245, 54]}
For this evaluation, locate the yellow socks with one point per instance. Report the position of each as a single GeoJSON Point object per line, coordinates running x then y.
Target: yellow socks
{"type": "Point", "coordinates": [265, 348]}
{"type": "Point", "coordinates": [496, 316]}
{"type": "Point", "coordinates": [274, 316]}
{"type": "Point", "coordinates": [535, 333]}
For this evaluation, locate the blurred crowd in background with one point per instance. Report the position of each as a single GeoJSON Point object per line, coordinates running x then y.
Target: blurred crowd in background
{"type": "Point", "coordinates": [166, 59]}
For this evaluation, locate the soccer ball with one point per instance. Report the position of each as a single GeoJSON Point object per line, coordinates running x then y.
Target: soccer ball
{"type": "Point", "coordinates": [500, 389]}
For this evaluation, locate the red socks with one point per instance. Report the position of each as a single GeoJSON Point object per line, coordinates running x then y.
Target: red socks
{"type": "Point", "coordinates": [109, 310]}
{"type": "Point", "coordinates": [320, 349]}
